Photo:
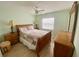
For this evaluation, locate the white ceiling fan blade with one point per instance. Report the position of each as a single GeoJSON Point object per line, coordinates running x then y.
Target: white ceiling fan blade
{"type": "Point", "coordinates": [37, 10]}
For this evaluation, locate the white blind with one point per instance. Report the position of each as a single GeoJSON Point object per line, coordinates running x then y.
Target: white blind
{"type": "Point", "coordinates": [48, 23]}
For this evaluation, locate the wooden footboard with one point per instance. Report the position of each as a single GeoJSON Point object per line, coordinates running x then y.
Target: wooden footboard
{"type": "Point", "coordinates": [42, 42]}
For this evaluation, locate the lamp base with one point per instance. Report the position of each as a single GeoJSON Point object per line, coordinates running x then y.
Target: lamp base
{"type": "Point", "coordinates": [12, 29]}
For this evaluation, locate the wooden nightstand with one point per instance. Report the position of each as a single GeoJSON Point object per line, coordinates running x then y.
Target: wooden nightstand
{"type": "Point", "coordinates": [12, 37]}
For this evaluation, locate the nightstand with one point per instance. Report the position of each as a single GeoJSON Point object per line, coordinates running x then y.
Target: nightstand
{"type": "Point", "coordinates": [12, 37]}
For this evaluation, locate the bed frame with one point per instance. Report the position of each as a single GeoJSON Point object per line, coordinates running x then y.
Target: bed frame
{"type": "Point", "coordinates": [41, 43]}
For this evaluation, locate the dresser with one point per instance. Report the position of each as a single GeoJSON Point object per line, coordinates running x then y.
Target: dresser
{"type": "Point", "coordinates": [63, 45]}
{"type": "Point", "coordinates": [12, 37]}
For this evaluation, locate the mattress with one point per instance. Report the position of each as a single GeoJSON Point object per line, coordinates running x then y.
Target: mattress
{"type": "Point", "coordinates": [28, 44]}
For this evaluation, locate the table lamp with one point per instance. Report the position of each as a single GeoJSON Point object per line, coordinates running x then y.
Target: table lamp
{"type": "Point", "coordinates": [12, 24]}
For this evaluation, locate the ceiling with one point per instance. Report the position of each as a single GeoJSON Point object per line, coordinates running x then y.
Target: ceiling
{"type": "Point", "coordinates": [47, 6]}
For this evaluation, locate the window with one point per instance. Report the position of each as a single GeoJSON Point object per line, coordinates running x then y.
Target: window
{"type": "Point", "coordinates": [48, 23]}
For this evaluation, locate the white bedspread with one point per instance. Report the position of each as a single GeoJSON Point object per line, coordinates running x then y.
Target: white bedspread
{"type": "Point", "coordinates": [31, 36]}
{"type": "Point", "coordinates": [36, 33]}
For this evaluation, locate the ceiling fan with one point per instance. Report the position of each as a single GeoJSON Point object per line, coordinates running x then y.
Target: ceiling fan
{"type": "Point", "coordinates": [37, 10]}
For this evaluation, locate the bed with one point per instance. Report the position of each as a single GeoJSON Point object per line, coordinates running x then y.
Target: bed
{"type": "Point", "coordinates": [33, 38]}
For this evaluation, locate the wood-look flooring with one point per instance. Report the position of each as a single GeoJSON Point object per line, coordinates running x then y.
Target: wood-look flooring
{"type": "Point", "coordinates": [19, 50]}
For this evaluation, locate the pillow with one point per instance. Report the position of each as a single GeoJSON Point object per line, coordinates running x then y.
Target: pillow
{"type": "Point", "coordinates": [23, 29]}
{"type": "Point", "coordinates": [30, 27]}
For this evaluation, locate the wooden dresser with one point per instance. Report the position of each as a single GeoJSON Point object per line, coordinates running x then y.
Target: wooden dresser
{"type": "Point", "coordinates": [63, 45]}
{"type": "Point", "coordinates": [12, 37]}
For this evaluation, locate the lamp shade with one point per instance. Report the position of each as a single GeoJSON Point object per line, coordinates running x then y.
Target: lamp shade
{"type": "Point", "coordinates": [12, 24]}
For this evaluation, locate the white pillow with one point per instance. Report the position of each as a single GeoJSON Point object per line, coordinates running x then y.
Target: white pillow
{"type": "Point", "coordinates": [23, 29]}
{"type": "Point", "coordinates": [30, 27]}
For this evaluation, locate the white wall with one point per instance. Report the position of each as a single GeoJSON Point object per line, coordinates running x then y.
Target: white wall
{"type": "Point", "coordinates": [61, 20]}
{"type": "Point", "coordinates": [20, 14]}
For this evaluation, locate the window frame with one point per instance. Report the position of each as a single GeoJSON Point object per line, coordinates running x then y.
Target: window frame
{"type": "Point", "coordinates": [47, 18]}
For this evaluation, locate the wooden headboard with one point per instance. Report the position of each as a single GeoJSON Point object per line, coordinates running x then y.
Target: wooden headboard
{"type": "Point", "coordinates": [23, 25]}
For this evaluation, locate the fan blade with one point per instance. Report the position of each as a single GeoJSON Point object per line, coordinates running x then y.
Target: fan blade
{"type": "Point", "coordinates": [41, 10]}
